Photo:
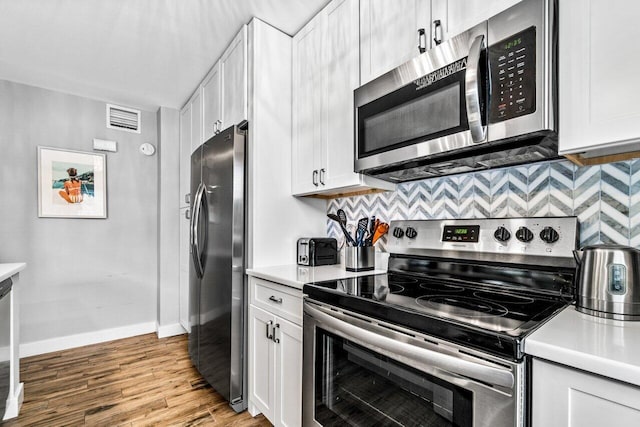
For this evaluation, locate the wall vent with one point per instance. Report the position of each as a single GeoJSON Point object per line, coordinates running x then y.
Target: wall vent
{"type": "Point", "coordinates": [123, 118]}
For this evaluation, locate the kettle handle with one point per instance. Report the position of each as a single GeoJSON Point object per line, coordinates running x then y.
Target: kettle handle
{"type": "Point", "coordinates": [577, 255]}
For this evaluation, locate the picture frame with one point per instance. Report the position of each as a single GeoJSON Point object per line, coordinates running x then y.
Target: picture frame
{"type": "Point", "coordinates": [71, 184]}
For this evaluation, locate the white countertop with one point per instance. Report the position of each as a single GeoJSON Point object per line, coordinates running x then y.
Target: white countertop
{"type": "Point", "coordinates": [297, 275]}
{"type": "Point", "coordinates": [606, 347]}
{"type": "Point", "coordinates": [8, 270]}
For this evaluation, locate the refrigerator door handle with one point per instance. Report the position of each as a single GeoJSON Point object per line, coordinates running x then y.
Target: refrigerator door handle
{"type": "Point", "coordinates": [195, 230]}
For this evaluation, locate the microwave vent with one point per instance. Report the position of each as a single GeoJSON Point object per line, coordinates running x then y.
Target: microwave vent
{"type": "Point", "coordinates": [123, 118]}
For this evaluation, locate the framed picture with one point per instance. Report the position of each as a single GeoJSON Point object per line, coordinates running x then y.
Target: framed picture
{"type": "Point", "coordinates": [71, 184]}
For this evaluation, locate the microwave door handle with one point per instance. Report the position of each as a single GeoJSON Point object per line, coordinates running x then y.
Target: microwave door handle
{"type": "Point", "coordinates": [408, 352]}
{"type": "Point", "coordinates": [472, 91]}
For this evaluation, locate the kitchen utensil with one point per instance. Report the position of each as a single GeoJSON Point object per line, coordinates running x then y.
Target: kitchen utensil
{"type": "Point", "coordinates": [372, 230]}
{"type": "Point", "coordinates": [344, 229]}
{"type": "Point", "coordinates": [363, 223]}
{"type": "Point", "coordinates": [608, 282]}
{"type": "Point", "coordinates": [381, 230]}
{"type": "Point", "coordinates": [342, 215]}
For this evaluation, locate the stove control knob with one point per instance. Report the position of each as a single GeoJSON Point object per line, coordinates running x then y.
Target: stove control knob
{"type": "Point", "coordinates": [502, 234]}
{"type": "Point", "coordinates": [411, 232]}
{"type": "Point", "coordinates": [524, 234]}
{"type": "Point", "coordinates": [398, 232]}
{"type": "Point", "coordinates": [549, 235]}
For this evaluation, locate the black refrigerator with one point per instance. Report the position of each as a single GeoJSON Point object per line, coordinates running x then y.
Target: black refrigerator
{"type": "Point", "coordinates": [217, 284]}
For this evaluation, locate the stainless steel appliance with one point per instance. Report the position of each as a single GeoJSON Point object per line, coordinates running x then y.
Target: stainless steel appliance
{"type": "Point", "coordinates": [482, 99]}
{"type": "Point", "coordinates": [609, 282]}
{"type": "Point", "coordinates": [5, 342]}
{"type": "Point", "coordinates": [438, 340]}
{"type": "Point", "coordinates": [216, 277]}
{"type": "Point", "coordinates": [315, 251]}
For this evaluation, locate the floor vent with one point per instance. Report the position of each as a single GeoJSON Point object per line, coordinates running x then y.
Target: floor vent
{"type": "Point", "coordinates": [123, 118]}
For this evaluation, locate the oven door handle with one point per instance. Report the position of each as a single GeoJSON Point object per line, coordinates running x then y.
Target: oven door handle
{"type": "Point", "coordinates": [472, 91]}
{"type": "Point", "coordinates": [370, 339]}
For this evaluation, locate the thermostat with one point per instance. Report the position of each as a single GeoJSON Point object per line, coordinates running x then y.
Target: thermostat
{"type": "Point", "coordinates": [147, 149]}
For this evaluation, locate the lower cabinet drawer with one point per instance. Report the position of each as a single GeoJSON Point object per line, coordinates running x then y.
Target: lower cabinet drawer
{"type": "Point", "coordinates": [279, 299]}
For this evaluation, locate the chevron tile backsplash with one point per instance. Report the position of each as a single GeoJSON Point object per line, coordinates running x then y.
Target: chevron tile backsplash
{"type": "Point", "coordinates": [605, 198]}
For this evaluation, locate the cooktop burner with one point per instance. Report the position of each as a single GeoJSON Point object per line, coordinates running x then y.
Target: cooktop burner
{"type": "Point", "coordinates": [488, 319]}
{"type": "Point", "coordinates": [462, 306]}
{"type": "Point", "coordinates": [484, 284]}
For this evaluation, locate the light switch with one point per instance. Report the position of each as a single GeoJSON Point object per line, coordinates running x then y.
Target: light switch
{"type": "Point", "coordinates": [104, 145]}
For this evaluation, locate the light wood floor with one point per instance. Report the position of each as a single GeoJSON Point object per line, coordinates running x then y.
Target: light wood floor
{"type": "Point", "coordinates": [136, 381]}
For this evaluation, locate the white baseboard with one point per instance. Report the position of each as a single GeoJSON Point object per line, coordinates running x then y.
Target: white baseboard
{"type": "Point", "coordinates": [170, 330]}
{"type": "Point", "coordinates": [14, 403]}
{"type": "Point", "coordinates": [87, 338]}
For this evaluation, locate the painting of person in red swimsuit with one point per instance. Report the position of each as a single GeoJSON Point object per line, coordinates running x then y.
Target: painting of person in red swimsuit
{"type": "Point", "coordinates": [72, 192]}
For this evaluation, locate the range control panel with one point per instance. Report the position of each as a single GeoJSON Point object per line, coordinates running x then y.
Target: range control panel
{"type": "Point", "coordinates": [513, 76]}
{"type": "Point", "coordinates": [545, 236]}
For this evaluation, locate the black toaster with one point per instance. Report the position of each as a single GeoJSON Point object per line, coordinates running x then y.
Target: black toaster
{"type": "Point", "coordinates": [314, 251]}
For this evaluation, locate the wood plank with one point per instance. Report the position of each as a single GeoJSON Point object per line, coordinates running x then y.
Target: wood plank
{"type": "Point", "coordinates": [136, 381]}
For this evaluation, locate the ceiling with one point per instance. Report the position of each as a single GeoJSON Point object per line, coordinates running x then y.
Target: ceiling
{"type": "Point", "coordinates": [137, 53]}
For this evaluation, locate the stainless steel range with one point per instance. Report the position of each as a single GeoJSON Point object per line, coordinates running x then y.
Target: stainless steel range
{"type": "Point", "coordinates": [437, 341]}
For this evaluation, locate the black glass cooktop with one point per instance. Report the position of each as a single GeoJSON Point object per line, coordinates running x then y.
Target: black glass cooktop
{"type": "Point", "coordinates": [489, 315]}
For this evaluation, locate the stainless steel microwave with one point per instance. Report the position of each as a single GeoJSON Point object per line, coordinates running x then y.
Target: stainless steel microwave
{"type": "Point", "coordinates": [485, 98]}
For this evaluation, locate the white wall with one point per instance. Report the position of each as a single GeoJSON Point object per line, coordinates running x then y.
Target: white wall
{"type": "Point", "coordinates": [83, 275]}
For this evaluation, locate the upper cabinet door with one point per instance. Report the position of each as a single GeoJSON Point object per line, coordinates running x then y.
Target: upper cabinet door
{"type": "Point", "coordinates": [185, 154]}
{"type": "Point", "coordinates": [234, 81]}
{"type": "Point", "coordinates": [211, 101]}
{"type": "Point", "coordinates": [597, 77]}
{"type": "Point", "coordinates": [389, 34]}
{"type": "Point", "coordinates": [452, 17]}
{"type": "Point", "coordinates": [342, 78]}
{"type": "Point", "coordinates": [307, 105]}
{"type": "Point", "coordinates": [196, 121]}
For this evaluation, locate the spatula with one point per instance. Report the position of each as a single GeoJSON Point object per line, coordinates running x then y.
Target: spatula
{"type": "Point", "coordinates": [344, 229]}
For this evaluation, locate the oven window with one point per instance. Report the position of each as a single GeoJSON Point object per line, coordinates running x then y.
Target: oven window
{"type": "Point", "coordinates": [357, 387]}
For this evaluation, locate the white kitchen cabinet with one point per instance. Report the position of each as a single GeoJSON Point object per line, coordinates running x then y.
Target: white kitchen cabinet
{"type": "Point", "coordinates": [224, 90]}
{"type": "Point", "coordinates": [325, 74]}
{"type": "Point", "coordinates": [184, 260]}
{"type": "Point", "coordinates": [389, 34]}
{"type": "Point", "coordinates": [212, 102]}
{"type": "Point", "coordinates": [233, 69]}
{"type": "Point", "coordinates": [563, 397]}
{"type": "Point", "coordinates": [452, 17]}
{"type": "Point", "coordinates": [599, 112]}
{"type": "Point", "coordinates": [196, 121]}
{"type": "Point", "coordinates": [307, 106]}
{"type": "Point", "coordinates": [185, 155]}
{"type": "Point", "coordinates": [275, 352]}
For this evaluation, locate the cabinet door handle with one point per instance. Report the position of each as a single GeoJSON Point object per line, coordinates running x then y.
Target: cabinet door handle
{"type": "Point", "coordinates": [187, 198]}
{"type": "Point", "coordinates": [437, 25]}
{"type": "Point", "coordinates": [322, 176]}
{"type": "Point", "coordinates": [274, 299]}
{"type": "Point", "coordinates": [315, 177]}
{"type": "Point", "coordinates": [187, 213]}
{"type": "Point", "coordinates": [422, 40]}
{"type": "Point", "coordinates": [270, 330]}
{"type": "Point", "coordinates": [276, 338]}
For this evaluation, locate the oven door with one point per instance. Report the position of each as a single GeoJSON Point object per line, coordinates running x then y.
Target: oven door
{"type": "Point", "coordinates": [358, 372]}
{"type": "Point", "coordinates": [431, 105]}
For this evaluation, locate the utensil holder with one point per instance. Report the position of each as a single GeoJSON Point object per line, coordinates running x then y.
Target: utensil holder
{"type": "Point", "coordinates": [359, 258]}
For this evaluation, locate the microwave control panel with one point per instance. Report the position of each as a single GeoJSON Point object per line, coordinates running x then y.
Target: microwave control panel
{"type": "Point", "coordinates": [513, 76]}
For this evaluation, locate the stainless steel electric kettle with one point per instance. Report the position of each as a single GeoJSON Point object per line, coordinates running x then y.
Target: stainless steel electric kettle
{"type": "Point", "coordinates": [609, 281]}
